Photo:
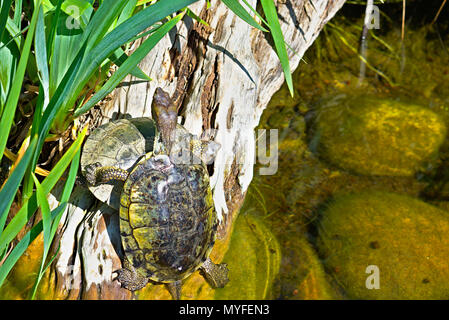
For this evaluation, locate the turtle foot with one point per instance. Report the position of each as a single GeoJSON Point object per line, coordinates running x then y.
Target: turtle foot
{"type": "Point", "coordinates": [130, 280]}
{"type": "Point", "coordinates": [215, 274]}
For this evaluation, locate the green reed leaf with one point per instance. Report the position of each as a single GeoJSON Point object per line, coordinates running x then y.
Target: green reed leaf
{"type": "Point", "coordinates": [273, 22]}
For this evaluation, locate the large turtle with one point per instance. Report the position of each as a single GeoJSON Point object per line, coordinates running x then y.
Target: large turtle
{"type": "Point", "coordinates": [168, 221]}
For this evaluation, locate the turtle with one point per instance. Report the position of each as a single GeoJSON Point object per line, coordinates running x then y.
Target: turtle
{"type": "Point", "coordinates": [120, 143]}
{"type": "Point", "coordinates": [168, 221]}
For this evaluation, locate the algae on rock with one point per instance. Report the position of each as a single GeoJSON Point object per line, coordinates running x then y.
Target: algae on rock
{"type": "Point", "coordinates": [373, 136]}
{"type": "Point", "coordinates": [301, 275]}
{"type": "Point", "coordinates": [404, 237]}
{"type": "Point", "coordinates": [253, 260]}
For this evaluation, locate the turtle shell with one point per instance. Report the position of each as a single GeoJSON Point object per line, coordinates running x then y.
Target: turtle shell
{"type": "Point", "coordinates": [120, 143]}
{"type": "Point", "coordinates": [167, 218]}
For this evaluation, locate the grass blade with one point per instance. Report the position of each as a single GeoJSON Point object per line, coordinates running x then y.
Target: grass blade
{"type": "Point", "coordinates": [53, 28]}
{"type": "Point", "coordinates": [9, 190]}
{"type": "Point", "coordinates": [120, 56]}
{"type": "Point", "coordinates": [9, 58]}
{"type": "Point", "coordinates": [241, 12]}
{"type": "Point", "coordinates": [14, 32]}
{"type": "Point", "coordinates": [68, 188]}
{"type": "Point", "coordinates": [130, 63]}
{"type": "Point", "coordinates": [127, 11]}
{"type": "Point", "coordinates": [45, 210]}
{"type": "Point", "coordinates": [61, 94]}
{"type": "Point", "coordinates": [28, 184]}
{"type": "Point", "coordinates": [17, 12]}
{"type": "Point", "coordinates": [64, 44]}
{"type": "Point", "coordinates": [193, 15]}
{"type": "Point", "coordinates": [121, 35]}
{"type": "Point", "coordinates": [41, 57]}
{"type": "Point", "coordinates": [30, 206]}
{"type": "Point", "coordinates": [273, 22]}
{"type": "Point", "coordinates": [13, 96]}
{"type": "Point", "coordinates": [255, 12]}
{"type": "Point", "coordinates": [46, 227]}
{"type": "Point", "coordinates": [6, 6]}
{"type": "Point", "coordinates": [71, 177]}
{"type": "Point", "coordinates": [23, 244]}
{"type": "Point", "coordinates": [101, 21]}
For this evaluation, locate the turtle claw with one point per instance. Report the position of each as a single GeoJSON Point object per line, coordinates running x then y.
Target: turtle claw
{"type": "Point", "coordinates": [130, 280]}
{"type": "Point", "coordinates": [215, 274]}
{"type": "Point", "coordinates": [91, 173]}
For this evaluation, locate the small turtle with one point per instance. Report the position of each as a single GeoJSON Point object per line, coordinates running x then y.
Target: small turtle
{"type": "Point", "coordinates": [168, 221]}
{"type": "Point", "coordinates": [121, 144]}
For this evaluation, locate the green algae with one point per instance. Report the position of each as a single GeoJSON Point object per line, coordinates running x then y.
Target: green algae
{"type": "Point", "coordinates": [253, 260]}
{"type": "Point", "coordinates": [23, 276]}
{"type": "Point", "coordinates": [302, 276]}
{"type": "Point", "coordinates": [374, 136]}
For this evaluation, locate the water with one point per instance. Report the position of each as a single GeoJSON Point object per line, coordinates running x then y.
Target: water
{"type": "Point", "coordinates": [358, 204]}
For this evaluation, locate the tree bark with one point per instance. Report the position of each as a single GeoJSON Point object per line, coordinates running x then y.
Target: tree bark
{"type": "Point", "coordinates": [222, 76]}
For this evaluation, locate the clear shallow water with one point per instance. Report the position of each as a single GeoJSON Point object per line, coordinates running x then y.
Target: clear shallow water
{"type": "Point", "coordinates": [358, 204]}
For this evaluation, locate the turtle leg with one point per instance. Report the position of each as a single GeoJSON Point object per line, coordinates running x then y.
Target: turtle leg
{"type": "Point", "coordinates": [96, 174]}
{"type": "Point", "coordinates": [129, 278]}
{"type": "Point", "coordinates": [175, 289]}
{"type": "Point", "coordinates": [215, 274]}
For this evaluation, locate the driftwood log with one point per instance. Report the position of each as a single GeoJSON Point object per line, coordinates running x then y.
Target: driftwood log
{"type": "Point", "coordinates": [222, 76]}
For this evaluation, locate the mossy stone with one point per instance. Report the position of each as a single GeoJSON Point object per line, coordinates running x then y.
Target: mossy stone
{"type": "Point", "coordinates": [23, 275]}
{"type": "Point", "coordinates": [403, 237]}
{"type": "Point", "coordinates": [253, 260]}
{"type": "Point", "coordinates": [302, 275]}
{"type": "Point", "coordinates": [373, 136]}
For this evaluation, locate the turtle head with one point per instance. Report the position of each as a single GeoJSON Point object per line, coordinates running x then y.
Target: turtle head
{"type": "Point", "coordinates": [165, 114]}
{"type": "Point", "coordinates": [171, 141]}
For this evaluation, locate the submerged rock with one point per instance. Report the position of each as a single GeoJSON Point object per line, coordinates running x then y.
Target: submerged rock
{"type": "Point", "coordinates": [374, 136]}
{"type": "Point", "coordinates": [253, 260]}
{"type": "Point", "coordinates": [380, 245]}
{"type": "Point", "coordinates": [302, 276]}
